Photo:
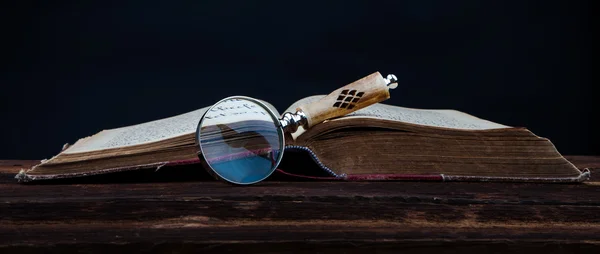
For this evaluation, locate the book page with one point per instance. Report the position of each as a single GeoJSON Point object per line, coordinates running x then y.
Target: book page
{"type": "Point", "coordinates": [141, 133]}
{"type": "Point", "coordinates": [158, 130]}
{"type": "Point", "coordinates": [429, 117]}
{"type": "Point", "coordinates": [238, 110]}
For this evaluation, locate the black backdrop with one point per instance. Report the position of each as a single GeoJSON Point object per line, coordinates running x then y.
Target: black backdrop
{"type": "Point", "coordinates": [72, 69]}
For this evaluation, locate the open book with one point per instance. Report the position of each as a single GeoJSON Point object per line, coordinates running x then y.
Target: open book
{"type": "Point", "coordinates": [380, 142]}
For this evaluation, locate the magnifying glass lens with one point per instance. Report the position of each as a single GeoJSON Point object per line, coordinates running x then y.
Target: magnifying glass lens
{"type": "Point", "coordinates": [241, 140]}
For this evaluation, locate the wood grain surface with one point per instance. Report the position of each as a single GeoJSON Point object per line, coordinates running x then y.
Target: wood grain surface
{"type": "Point", "coordinates": [298, 216]}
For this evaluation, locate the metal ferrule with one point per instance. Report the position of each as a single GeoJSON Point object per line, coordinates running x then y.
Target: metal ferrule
{"type": "Point", "coordinates": [290, 121]}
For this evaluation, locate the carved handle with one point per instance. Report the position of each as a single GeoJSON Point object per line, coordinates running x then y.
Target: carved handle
{"type": "Point", "coordinates": [354, 96]}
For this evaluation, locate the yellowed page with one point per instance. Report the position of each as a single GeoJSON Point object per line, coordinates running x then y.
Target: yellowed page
{"type": "Point", "coordinates": [430, 117]}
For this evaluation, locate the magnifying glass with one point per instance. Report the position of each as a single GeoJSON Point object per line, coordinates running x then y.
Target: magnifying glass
{"type": "Point", "coordinates": [242, 139]}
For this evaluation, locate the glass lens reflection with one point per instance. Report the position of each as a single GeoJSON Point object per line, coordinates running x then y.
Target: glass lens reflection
{"type": "Point", "coordinates": [241, 140]}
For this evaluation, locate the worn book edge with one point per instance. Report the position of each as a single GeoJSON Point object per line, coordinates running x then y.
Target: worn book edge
{"type": "Point", "coordinates": [23, 177]}
{"type": "Point", "coordinates": [584, 175]}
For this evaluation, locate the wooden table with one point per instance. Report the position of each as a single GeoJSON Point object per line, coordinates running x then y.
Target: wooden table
{"type": "Point", "coordinates": [280, 216]}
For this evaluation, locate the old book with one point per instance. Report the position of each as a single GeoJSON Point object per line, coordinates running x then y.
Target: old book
{"type": "Point", "coordinates": [380, 142]}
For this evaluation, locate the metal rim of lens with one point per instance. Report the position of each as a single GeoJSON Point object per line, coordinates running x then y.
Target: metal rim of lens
{"type": "Point", "coordinates": [275, 121]}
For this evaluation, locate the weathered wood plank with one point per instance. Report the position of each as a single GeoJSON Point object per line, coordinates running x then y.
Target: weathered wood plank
{"type": "Point", "coordinates": [275, 216]}
{"type": "Point", "coordinates": [14, 166]}
{"type": "Point", "coordinates": [200, 233]}
{"type": "Point", "coordinates": [582, 161]}
{"type": "Point", "coordinates": [299, 208]}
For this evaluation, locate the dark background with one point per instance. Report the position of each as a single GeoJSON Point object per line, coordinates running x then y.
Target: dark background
{"type": "Point", "coordinates": [70, 70]}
